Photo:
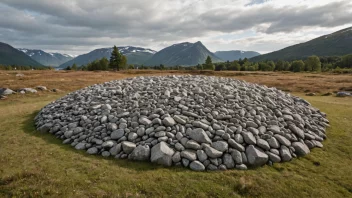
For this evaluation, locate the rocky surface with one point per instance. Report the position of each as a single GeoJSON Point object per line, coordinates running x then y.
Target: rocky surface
{"type": "Point", "coordinates": [204, 123]}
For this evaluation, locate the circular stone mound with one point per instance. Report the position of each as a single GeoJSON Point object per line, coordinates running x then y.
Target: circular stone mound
{"type": "Point", "coordinates": [198, 122]}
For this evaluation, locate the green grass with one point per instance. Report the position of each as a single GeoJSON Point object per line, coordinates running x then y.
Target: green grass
{"type": "Point", "coordinates": [38, 165]}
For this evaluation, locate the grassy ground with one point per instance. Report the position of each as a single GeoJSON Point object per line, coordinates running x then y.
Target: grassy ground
{"type": "Point", "coordinates": [38, 165]}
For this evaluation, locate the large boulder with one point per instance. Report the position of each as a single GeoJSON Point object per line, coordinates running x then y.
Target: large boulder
{"type": "Point", "coordinates": [199, 136]}
{"type": "Point", "coordinates": [301, 149]}
{"type": "Point", "coordinates": [140, 153]}
{"type": "Point", "coordinates": [162, 154]}
{"type": "Point", "coordinates": [128, 147]}
{"type": "Point", "coordinates": [6, 91]}
{"type": "Point", "coordinates": [255, 156]}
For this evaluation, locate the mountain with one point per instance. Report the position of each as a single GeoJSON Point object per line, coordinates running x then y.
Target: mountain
{"type": "Point", "coordinates": [185, 54]}
{"type": "Point", "coordinates": [235, 55]}
{"type": "Point", "coordinates": [11, 56]}
{"type": "Point", "coordinates": [135, 55]}
{"type": "Point", "coordinates": [47, 59]}
{"type": "Point", "coordinates": [335, 44]}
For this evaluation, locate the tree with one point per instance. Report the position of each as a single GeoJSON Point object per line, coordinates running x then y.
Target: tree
{"type": "Point", "coordinates": [279, 66]}
{"type": "Point", "coordinates": [234, 66]}
{"type": "Point", "coordinates": [346, 61]}
{"type": "Point", "coordinates": [123, 62]}
{"type": "Point", "coordinates": [287, 66]}
{"type": "Point", "coordinates": [68, 68]}
{"type": "Point", "coordinates": [74, 66]}
{"type": "Point", "coordinates": [115, 59]}
{"type": "Point", "coordinates": [313, 64]}
{"type": "Point", "coordinates": [209, 64]}
{"type": "Point", "coordinates": [297, 66]}
{"type": "Point", "coordinates": [199, 67]}
{"type": "Point", "coordinates": [271, 65]}
{"type": "Point", "coordinates": [104, 64]}
{"type": "Point", "coordinates": [220, 67]}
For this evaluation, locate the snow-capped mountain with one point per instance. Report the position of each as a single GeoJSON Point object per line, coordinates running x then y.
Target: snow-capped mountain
{"type": "Point", "coordinates": [135, 55]}
{"type": "Point", "coordinates": [46, 58]}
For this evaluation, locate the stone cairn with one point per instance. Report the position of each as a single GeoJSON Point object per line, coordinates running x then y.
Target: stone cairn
{"type": "Point", "coordinates": [200, 122]}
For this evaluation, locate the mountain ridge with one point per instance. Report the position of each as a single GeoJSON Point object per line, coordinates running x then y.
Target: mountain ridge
{"type": "Point", "coordinates": [47, 58]}
{"type": "Point", "coordinates": [335, 44]}
{"type": "Point", "coordinates": [11, 56]}
{"type": "Point", "coordinates": [135, 55]}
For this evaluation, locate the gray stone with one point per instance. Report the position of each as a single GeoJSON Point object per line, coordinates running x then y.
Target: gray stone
{"type": "Point", "coordinates": [255, 156]}
{"type": "Point", "coordinates": [296, 131]}
{"type": "Point", "coordinates": [212, 152]}
{"type": "Point", "coordinates": [178, 119]}
{"type": "Point", "coordinates": [115, 135]}
{"type": "Point", "coordinates": [199, 136]}
{"type": "Point", "coordinates": [105, 153]}
{"type": "Point", "coordinates": [282, 140]}
{"type": "Point", "coordinates": [115, 149]}
{"type": "Point", "coordinates": [197, 166]}
{"type": "Point", "coordinates": [128, 147]}
{"type": "Point", "coordinates": [273, 157]}
{"type": "Point", "coordinates": [189, 154]}
{"type": "Point", "coordinates": [249, 138]}
{"type": "Point", "coordinates": [300, 148]}
{"type": "Point", "coordinates": [176, 157]}
{"type": "Point", "coordinates": [220, 145]}
{"type": "Point", "coordinates": [80, 146]}
{"type": "Point", "coordinates": [241, 167]}
{"type": "Point", "coordinates": [108, 144]}
{"type": "Point", "coordinates": [228, 161]}
{"type": "Point", "coordinates": [92, 151]}
{"type": "Point", "coordinates": [237, 156]}
{"type": "Point", "coordinates": [263, 144]}
{"type": "Point", "coordinates": [140, 153]}
{"type": "Point", "coordinates": [273, 142]}
{"type": "Point", "coordinates": [236, 145]}
{"type": "Point", "coordinates": [179, 147]}
{"type": "Point", "coordinates": [162, 154]}
{"type": "Point", "coordinates": [145, 121]}
{"type": "Point", "coordinates": [169, 121]}
{"type": "Point", "coordinates": [191, 144]}
{"type": "Point", "coordinates": [251, 124]}
{"type": "Point", "coordinates": [285, 153]}
{"type": "Point", "coordinates": [201, 155]}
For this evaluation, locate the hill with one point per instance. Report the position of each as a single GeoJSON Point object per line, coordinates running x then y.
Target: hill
{"type": "Point", "coordinates": [235, 55]}
{"type": "Point", "coordinates": [335, 44]}
{"type": "Point", "coordinates": [185, 54]}
{"type": "Point", "coordinates": [47, 59]}
{"type": "Point", "coordinates": [11, 56]}
{"type": "Point", "coordinates": [135, 55]}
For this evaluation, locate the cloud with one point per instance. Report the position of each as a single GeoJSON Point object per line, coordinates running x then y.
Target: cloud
{"type": "Point", "coordinates": [78, 26]}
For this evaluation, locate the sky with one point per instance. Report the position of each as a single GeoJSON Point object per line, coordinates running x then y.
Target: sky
{"type": "Point", "coordinates": [79, 26]}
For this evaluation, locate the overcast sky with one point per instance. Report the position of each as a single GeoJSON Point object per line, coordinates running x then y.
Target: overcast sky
{"type": "Point", "coordinates": [79, 26]}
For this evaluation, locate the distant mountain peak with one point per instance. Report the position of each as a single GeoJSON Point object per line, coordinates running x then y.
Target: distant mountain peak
{"type": "Point", "coordinates": [185, 54]}
{"type": "Point", "coordinates": [46, 58]}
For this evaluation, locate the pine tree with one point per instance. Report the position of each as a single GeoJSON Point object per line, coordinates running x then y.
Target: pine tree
{"type": "Point", "coordinates": [209, 64]}
{"type": "Point", "coordinates": [74, 66]}
{"type": "Point", "coordinates": [115, 59]}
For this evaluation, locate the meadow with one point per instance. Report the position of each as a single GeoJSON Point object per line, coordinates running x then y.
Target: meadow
{"type": "Point", "coordinates": [33, 164]}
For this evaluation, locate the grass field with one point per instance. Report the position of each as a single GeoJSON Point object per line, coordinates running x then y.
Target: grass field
{"type": "Point", "coordinates": [38, 165]}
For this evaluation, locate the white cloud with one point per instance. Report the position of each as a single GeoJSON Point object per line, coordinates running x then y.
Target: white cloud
{"type": "Point", "coordinates": [78, 26]}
